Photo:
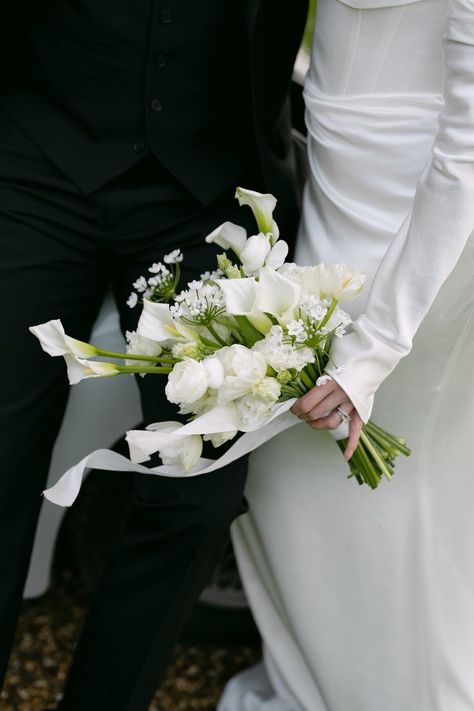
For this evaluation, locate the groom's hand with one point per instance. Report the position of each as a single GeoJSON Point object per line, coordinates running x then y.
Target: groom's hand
{"type": "Point", "coordinates": [318, 408]}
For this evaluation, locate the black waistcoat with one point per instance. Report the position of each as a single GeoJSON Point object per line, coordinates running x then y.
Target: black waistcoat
{"type": "Point", "coordinates": [103, 80]}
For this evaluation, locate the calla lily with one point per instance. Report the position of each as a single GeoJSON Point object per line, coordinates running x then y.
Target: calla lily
{"type": "Point", "coordinates": [228, 236]}
{"type": "Point", "coordinates": [163, 437]}
{"type": "Point", "coordinates": [156, 323]}
{"type": "Point", "coordinates": [262, 206]}
{"type": "Point", "coordinates": [276, 294]}
{"type": "Point", "coordinates": [80, 369]}
{"type": "Point", "coordinates": [239, 295]}
{"type": "Point", "coordinates": [55, 342]}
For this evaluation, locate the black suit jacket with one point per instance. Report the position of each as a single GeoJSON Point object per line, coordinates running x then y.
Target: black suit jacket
{"type": "Point", "coordinates": [58, 82]}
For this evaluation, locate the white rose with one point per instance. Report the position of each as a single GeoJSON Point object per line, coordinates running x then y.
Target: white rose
{"type": "Point", "coordinates": [187, 382]}
{"type": "Point", "coordinates": [214, 371]}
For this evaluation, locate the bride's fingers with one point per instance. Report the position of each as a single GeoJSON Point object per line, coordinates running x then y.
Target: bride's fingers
{"type": "Point", "coordinates": [355, 427]}
{"type": "Point", "coordinates": [307, 402]}
{"type": "Point", "coordinates": [326, 407]}
{"type": "Point", "coordinates": [333, 420]}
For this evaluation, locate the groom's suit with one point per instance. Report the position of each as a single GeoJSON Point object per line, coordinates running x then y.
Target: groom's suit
{"type": "Point", "coordinates": [124, 129]}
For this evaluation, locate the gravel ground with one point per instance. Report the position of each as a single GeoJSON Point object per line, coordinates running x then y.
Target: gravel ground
{"type": "Point", "coordinates": [45, 642]}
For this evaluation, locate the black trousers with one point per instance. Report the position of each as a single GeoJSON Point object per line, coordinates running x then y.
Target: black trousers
{"type": "Point", "coordinates": [59, 251]}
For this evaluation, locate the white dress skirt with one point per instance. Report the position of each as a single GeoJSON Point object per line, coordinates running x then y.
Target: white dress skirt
{"type": "Point", "coordinates": [365, 599]}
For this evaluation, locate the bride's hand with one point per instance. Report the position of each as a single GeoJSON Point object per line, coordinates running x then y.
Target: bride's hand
{"type": "Point", "coordinates": [318, 408]}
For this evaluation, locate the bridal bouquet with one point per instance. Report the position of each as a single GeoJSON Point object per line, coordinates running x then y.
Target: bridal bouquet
{"type": "Point", "coordinates": [237, 346]}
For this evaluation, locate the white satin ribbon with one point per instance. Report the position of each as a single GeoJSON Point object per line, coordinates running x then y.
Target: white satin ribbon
{"type": "Point", "coordinates": [66, 490]}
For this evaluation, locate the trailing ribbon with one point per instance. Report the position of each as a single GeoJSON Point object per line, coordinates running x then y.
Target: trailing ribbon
{"type": "Point", "coordinates": [66, 490]}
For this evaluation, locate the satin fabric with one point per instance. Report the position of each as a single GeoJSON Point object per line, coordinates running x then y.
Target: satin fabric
{"type": "Point", "coordinates": [365, 600]}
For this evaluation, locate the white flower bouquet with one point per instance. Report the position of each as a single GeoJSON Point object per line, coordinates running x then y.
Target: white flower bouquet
{"type": "Point", "coordinates": [237, 346]}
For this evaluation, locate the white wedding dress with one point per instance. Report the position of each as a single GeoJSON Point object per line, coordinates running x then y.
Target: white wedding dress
{"type": "Point", "coordinates": [365, 600]}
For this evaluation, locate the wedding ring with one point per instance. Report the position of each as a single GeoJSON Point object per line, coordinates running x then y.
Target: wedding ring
{"type": "Point", "coordinates": [343, 415]}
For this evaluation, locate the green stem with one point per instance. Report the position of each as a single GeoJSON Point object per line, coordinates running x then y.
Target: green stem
{"type": "Point", "coordinates": [135, 356]}
{"type": "Point", "coordinates": [214, 333]}
{"type": "Point", "coordinates": [142, 369]}
{"type": "Point", "coordinates": [306, 379]}
{"type": "Point", "coordinates": [329, 313]}
{"type": "Point", "coordinates": [367, 469]}
{"type": "Point", "coordinates": [376, 456]}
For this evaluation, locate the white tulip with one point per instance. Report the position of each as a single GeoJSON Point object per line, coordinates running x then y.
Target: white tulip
{"type": "Point", "coordinates": [277, 255]}
{"type": "Point", "coordinates": [187, 382]}
{"type": "Point", "coordinates": [340, 281]}
{"type": "Point", "coordinates": [163, 437]}
{"type": "Point", "coordinates": [255, 252]}
{"type": "Point", "coordinates": [228, 236]}
{"type": "Point", "coordinates": [55, 342]}
{"type": "Point", "coordinates": [262, 206]}
{"type": "Point", "coordinates": [79, 369]}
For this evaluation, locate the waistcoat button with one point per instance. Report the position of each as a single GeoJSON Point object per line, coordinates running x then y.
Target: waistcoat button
{"type": "Point", "coordinates": [155, 105]}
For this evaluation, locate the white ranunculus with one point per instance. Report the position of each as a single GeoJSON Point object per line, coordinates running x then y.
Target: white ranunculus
{"type": "Point", "coordinates": [55, 342]}
{"type": "Point", "coordinates": [80, 369]}
{"type": "Point", "coordinates": [220, 437]}
{"type": "Point", "coordinates": [340, 281]}
{"type": "Point", "coordinates": [228, 236]}
{"type": "Point", "coordinates": [164, 438]}
{"type": "Point", "coordinates": [187, 382]}
{"type": "Point", "coordinates": [214, 371]}
{"type": "Point", "coordinates": [243, 368]}
{"type": "Point", "coordinates": [262, 206]}
{"type": "Point", "coordinates": [255, 252]}
{"type": "Point", "coordinates": [257, 404]}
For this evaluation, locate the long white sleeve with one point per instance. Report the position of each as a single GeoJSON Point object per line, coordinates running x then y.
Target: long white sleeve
{"type": "Point", "coordinates": [419, 260]}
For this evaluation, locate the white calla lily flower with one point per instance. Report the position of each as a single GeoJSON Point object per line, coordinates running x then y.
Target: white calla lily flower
{"type": "Point", "coordinates": [157, 324]}
{"type": "Point", "coordinates": [55, 342]}
{"type": "Point", "coordinates": [239, 295]}
{"type": "Point", "coordinates": [163, 437]}
{"type": "Point", "coordinates": [262, 206]}
{"type": "Point", "coordinates": [80, 369]}
{"type": "Point", "coordinates": [276, 295]}
{"type": "Point", "coordinates": [228, 236]}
